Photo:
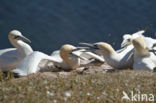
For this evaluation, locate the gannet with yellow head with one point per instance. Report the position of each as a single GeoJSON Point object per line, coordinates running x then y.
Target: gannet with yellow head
{"type": "Point", "coordinates": [117, 59]}
{"type": "Point", "coordinates": [69, 57]}
{"type": "Point", "coordinates": [143, 59]}
{"type": "Point", "coordinates": [10, 58]}
{"type": "Point", "coordinates": [65, 53]}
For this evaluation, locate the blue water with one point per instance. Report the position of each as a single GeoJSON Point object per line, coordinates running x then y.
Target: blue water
{"type": "Point", "coordinates": [52, 23]}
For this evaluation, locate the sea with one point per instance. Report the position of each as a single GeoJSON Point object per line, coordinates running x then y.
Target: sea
{"type": "Point", "coordinates": [51, 23]}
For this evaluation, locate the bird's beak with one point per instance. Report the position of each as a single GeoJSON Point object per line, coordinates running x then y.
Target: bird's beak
{"type": "Point", "coordinates": [90, 47]}
{"type": "Point", "coordinates": [80, 48]}
{"type": "Point", "coordinates": [124, 43]}
{"type": "Point", "coordinates": [25, 39]}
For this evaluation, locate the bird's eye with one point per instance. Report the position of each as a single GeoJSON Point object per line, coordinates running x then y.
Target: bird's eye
{"type": "Point", "coordinates": [95, 46]}
{"type": "Point", "coordinates": [16, 37]}
{"type": "Point", "coordinates": [128, 40]}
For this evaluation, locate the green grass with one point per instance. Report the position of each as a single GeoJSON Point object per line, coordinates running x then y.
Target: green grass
{"type": "Point", "coordinates": [76, 88]}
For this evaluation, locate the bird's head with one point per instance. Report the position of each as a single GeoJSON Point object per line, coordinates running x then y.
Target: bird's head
{"type": "Point", "coordinates": [102, 46]}
{"type": "Point", "coordinates": [140, 46]}
{"type": "Point", "coordinates": [16, 35]}
{"type": "Point", "coordinates": [127, 40]}
{"type": "Point", "coordinates": [105, 47]}
{"type": "Point", "coordinates": [66, 49]}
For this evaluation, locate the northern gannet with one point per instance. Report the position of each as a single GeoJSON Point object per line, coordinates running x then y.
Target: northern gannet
{"type": "Point", "coordinates": [127, 39]}
{"type": "Point", "coordinates": [121, 59]}
{"type": "Point", "coordinates": [10, 58]}
{"type": "Point", "coordinates": [69, 58]}
{"type": "Point", "coordinates": [143, 59]}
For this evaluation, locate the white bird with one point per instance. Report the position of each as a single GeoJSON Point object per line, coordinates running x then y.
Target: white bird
{"type": "Point", "coordinates": [121, 59]}
{"type": "Point", "coordinates": [30, 64]}
{"type": "Point", "coordinates": [127, 39]}
{"type": "Point", "coordinates": [68, 58]}
{"type": "Point", "coordinates": [10, 58]}
{"type": "Point", "coordinates": [143, 59]}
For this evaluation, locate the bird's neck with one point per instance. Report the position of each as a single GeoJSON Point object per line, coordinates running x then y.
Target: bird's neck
{"type": "Point", "coordinates": [141, 49]}
{"type": "Point", "coordinates": [22, 47]}
{"type": "Point", "coordinates": [142, 52]}
{"type": "Point", "coordinates": [68, 60]}
{"type": "Point", "coordinates": [109, 52]}
{"type": "Point", "coordinates": [111, 57]}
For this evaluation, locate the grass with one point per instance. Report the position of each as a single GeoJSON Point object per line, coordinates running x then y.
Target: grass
{"type": "Point", "coordinates": [76, 88]}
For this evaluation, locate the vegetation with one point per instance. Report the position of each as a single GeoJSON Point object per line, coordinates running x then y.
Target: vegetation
{"type": "Point", "coordinates": [97, 87]}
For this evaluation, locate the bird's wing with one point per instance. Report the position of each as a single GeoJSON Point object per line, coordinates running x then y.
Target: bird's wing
{"type": "Point", "coordinates": [149, 42]}
{"type": "Point", "coordinates": [87, 55]}
{"type": "Point", "coordinates": [10, 52]}
{"type": "Point", "coordinates": [78, 54]}
{"type": "Point", "coordinates": [30, 64]}
{"type": "Point", "coordinates": [139, 33]}
{"type": "Point", "coordinates": [56, 54]}
{"type": "Point", "coordinates": [9, 58]}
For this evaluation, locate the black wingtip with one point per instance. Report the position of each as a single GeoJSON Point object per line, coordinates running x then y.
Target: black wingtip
{"type": "Point", "coordinates": [16, 75]}
{"type": "Point", "coordinates": [154, 69]}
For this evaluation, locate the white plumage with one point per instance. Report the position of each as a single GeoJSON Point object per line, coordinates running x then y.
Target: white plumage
{"type": "Point", "coordinates": [67, 58]}
{"type": "Point", "coordinates": [10, 58]}
{"type": "Point", "coordinates": [127, 39]}
{"type": "Point", "coordinates": [120, 59]}
{"type": "Point", "coordinates": [143, 59]}
{"type": "Point", "coordinates": [30, 64]}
